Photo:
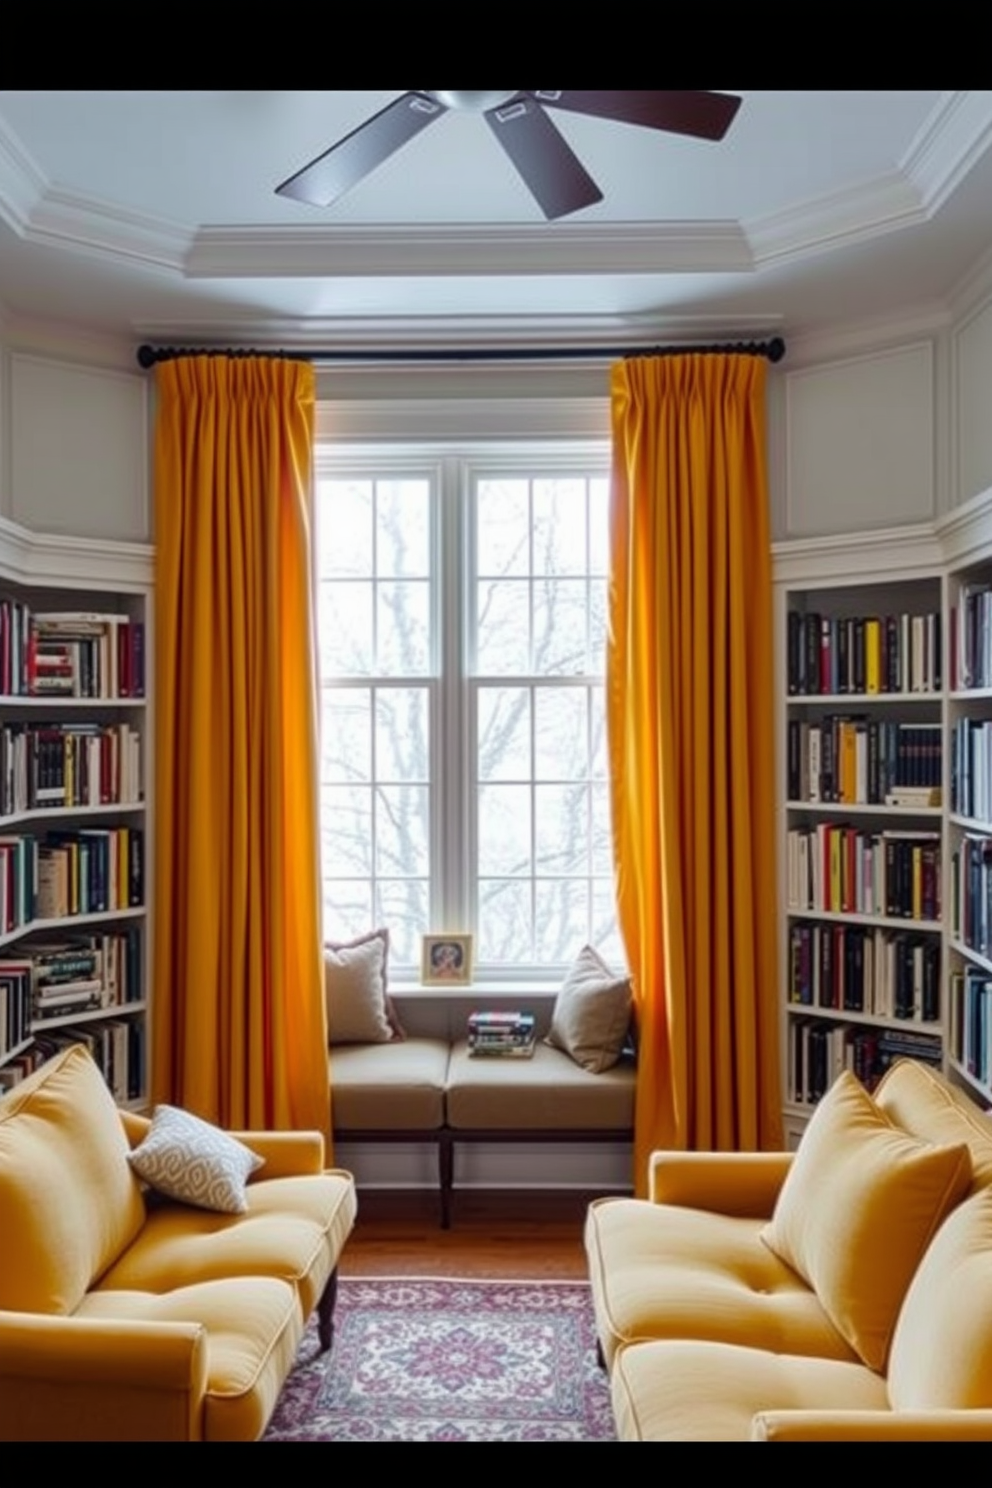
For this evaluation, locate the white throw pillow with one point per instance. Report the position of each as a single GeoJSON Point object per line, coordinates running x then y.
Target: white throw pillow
{"type": "Point", "coordinates": [190, 1160]}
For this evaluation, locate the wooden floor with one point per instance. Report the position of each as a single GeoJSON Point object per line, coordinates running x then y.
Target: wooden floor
{"type": "Point", "coordinates": [503, 1235]}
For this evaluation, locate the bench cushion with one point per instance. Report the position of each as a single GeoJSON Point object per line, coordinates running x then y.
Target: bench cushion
{"type": "Point", "coordinates": [549, 1092]}
{"type": "Point", "coordinates": [389, 1087]}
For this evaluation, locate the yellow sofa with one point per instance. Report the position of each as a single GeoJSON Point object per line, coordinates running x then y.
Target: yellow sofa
{"type": "Point", "coordinates": [710, 1335]}
{"type": "Point", "coordinates": [128, 1317]}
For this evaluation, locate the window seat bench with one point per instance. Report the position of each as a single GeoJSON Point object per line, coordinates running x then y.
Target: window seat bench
{"type": "Point", "coordinates": [431, 1090]}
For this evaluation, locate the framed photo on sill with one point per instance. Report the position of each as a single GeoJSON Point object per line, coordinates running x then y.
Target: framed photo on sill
{"type": "Point", "coordinates": [446, 960]}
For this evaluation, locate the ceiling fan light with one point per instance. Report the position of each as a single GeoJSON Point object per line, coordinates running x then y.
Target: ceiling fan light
{"type": "Point", "coordinates": [473, 103]}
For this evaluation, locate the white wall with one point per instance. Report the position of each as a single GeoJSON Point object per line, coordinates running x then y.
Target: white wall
{"type": "Point", "coordinates": [972, 387]}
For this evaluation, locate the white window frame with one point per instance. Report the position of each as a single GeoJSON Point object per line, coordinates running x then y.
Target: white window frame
{"type": "Point", "coordinates": [453, 465]}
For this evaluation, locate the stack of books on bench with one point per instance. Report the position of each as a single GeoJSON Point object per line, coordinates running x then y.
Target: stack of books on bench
{"type": "Point", "coordinates": [508, 1035]}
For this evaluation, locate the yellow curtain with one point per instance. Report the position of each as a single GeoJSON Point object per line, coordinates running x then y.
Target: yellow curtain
{"type": "Point", "coordinates": [689, 700]}
{"type": "Point", "coordinates": [239, 1032]}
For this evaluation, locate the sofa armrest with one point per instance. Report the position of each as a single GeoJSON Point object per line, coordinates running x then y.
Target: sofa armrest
{"type": "Point", "coordinates": [854, 1426]}
{"type": "Point", "coordinates": [100, 1379]}
{"type": "Point", "coordinates": [287, 1154]}
{"type": "Point", "coordinates": [745, 1184]}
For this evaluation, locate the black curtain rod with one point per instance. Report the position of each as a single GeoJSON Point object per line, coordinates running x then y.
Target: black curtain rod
{"type": "Point", "coordinates": [774, 350]}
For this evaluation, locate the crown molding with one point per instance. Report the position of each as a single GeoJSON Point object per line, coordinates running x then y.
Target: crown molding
{"type": "Point", "coordinates": [84, 225]}
{"type": "Point", "coordinates": [22, 182]}
{"type": "Point", "coordinates": [528, 333]}
{"type": "Point", "coordinates": [883, 205]}
{"type": "Point", "coordinates": [75, 562]}
{"type": "Point", "coordinates": [907, 552]}
{"type": "Point", "coordinates": [412, 251]}
{"type": "Point", "coordinates": [865, 337]}
{"type": "Point", "coordinates": [950, 142]}
{"type": "Point", "coordinates": [964, 532]}
{"type": "Point", "coordinates": [68, 342]}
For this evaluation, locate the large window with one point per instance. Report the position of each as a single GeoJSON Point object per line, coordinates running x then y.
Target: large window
{"type": "Point", "coordinates": [463, 764]}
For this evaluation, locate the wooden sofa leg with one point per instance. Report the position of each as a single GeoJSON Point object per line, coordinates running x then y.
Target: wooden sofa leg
{"type": "Point", "coordinates": [446, 1173]}
{"type": "Point", "coordinates": [325, 1312]}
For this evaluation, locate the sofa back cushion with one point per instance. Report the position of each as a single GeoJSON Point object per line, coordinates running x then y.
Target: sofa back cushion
{"type": "Point", "coordinates": [69, 1202]}
{"type": "Point", "coordinates": [857, 1210]}
{"type": "Point", "coordinates": [941, 1355]}
{"type": "Point", "coordinates": [923, 1103]}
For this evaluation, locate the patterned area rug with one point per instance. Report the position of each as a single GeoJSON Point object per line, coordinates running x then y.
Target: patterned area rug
{"type": "Point", "coordinates": [418, 1360]}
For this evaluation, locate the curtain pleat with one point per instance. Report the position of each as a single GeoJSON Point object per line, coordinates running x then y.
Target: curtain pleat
{"type": "Point", "coordinates": [239, 1026]}
{"type": "Point", "coordinates": [690, 716]}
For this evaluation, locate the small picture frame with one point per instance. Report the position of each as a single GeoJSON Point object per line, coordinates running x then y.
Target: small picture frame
{"type": "Point", "coordinates": [446, 960]}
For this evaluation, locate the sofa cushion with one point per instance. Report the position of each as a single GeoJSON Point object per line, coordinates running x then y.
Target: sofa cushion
{"type": "Point", "coordinates": [195, 1162]}
{"type": "Point", "coordinates": [591, 1015]}
{"type": "Point", "coordinates": [69, 1202]}
{"type": "Point", "coordinates": [923, 1103]}
{"type": "Point", "coordinates": [857, 1210]}
{"type": "Point", "coordinates": [389, 1087]}
{"type": "Point", "coordinates": [294, 1230]}
{"type": "Point", "coordinates": [941, 1355]}
{"type": "Point", "coordinates": [548, 1091]}
{"type": "Point", "coordinates": [359, 1008]}
{"type": "Point", "coordinates": [253, 1327]}
{"type": "Point", "coordinates": [662, 1271]}
{"type": "Point", "coordinates": [688, 1391]}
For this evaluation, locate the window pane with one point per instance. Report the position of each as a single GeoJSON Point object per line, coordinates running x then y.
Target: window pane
{"type": "Point", "coordinates": [347, 908]}
{"type": "Point", "coordinates": [403, 528]}
{"type": "Point", "coordinates": [403, 615]}
{"type": "Point", "coordinates": [402, 738]}
{"type": "Point", "coordinates": [345, 734]}
{"type": "Point", "coordinates": [560, 526]}
{"type": "Point", "coordinates": [502, 528]}
{"type": "Point", "coordinates": [505, 930]}
{"type": "Point", "coordinates": [560, 733]}
{"type": "Point", "coordinates": [504, 733]}
{"type": "Point", "coordinates": [599, 526]}
{"type": "Point", "coordinates": [561, 829]}
{"type": "Point", "coordinates": [503, 621]}
{"type": "Point", "coordinates": [559, 627]}
{"type": "Point", "coordinates": [602, 840]}
{"type": "Point", "coordinates": [401, 830]}
{"type": "Point", "coordinates": [345, 629]}
{"type": "Point", "coordinates": [403, 906]}
{"type": "Point", "coordinates": [597, 702]}
{"type": "Point", "coordinates": [605, 930]}
{"type": "Point", "coordinates": [344, 528]}
{"type": "Point", "coordinates": [561, 919]}
{"type": "Point", "coordinates": [504, 830]}
{"type": "Point", "coordinates": [346, 830]}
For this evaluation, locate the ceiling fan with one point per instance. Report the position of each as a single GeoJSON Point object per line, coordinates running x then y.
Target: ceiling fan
{"type": "Point", "coordinates": [550, 169]}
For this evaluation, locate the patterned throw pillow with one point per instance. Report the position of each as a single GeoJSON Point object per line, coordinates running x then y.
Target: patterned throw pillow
{"type": "Point", "coordinates": [190, 1160]}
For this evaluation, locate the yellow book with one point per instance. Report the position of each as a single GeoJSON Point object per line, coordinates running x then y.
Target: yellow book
{"type": "Point", "coordinates": [836, 843]}
{"type": "Point", "coordinates": [873, 655]}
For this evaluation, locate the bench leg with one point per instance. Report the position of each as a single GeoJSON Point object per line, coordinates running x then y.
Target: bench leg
{"type": "Point", "coordinates": [325, 1312]}
{"type": "Point", "coordinates": [446, 1174]}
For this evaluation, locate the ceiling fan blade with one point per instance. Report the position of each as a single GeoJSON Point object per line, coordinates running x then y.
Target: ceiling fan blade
{"type": "Point", "coordinates": [358, 153]}
{"type": "Point", "coordinates": [705, 115]}
{"type": "Point", "coordinates": [550, 169]}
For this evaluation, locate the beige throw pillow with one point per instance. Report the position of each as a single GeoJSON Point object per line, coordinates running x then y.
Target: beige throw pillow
{"type": "Point", "coordinates": [359, 1010]}
{"type": "Point", "coordinates": [591, 1013]}
{"type": "Point", "coordinates": [859, 1206]}
{"type": "Point", "coordinates": [190, 1160]}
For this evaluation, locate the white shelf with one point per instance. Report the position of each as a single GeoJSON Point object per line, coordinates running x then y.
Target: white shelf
{"type": "Point", "coordinates": [860, 699]}
{"type": "Point", "coordinates": [69, 922]}
{"type": "Point", "coordinates": [863, 808]}
{"type": "Point", "coordinates": [981, 1091]}
{"type": "Point", "coordinates": [885, 922]}
{"type": "Point", "coordinates": [970, 824]}
{"type": "Point", "coordinates": [868, 1020]}
{"type": "Point", "coordinates": [41, 814]}
{"type": "Point", "coordinates": [19, 700]}
{"type": "Point", "coordinates": [970, 954]}
{"type": "Point", "coordinates": [92, 1015]}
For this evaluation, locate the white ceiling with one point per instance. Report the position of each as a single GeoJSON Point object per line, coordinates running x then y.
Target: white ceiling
{"type": "Point", "coordinates": [153, 215]}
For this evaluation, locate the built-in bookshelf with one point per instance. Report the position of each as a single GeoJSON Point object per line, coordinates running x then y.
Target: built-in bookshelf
{"type": "Point", "coordinates": [74, 821]}
{"type": "Point", "coordinates": [863, 775]}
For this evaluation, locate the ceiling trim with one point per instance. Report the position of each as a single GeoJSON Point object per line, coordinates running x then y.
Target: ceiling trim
{"type": "Point", "coordinates": [410, 250]}
{"type": "Point", "coordinates": [83, 225]}
{"type": "Point", "coordinates": [949, 144]}
{"type": "Point", "coordinates": [22, 181]}
{"type": "Point", "coordinates": [883, 205]}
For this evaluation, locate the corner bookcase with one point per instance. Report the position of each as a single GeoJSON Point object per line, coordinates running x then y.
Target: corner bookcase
{"type": "Point", "coordinates": [861, 643]}
{"type": "Point", "coordinates": [75, 771]}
